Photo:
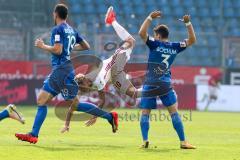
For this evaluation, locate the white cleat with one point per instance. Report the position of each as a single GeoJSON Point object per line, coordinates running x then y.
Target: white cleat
{"type": "Point", "coordinates": [14, 114]}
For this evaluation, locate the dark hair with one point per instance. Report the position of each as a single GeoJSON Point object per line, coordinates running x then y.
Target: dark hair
{"type": "Point", "coordinates": [61, 10]}
{"type": "Point", "coordinates": [162, 30]}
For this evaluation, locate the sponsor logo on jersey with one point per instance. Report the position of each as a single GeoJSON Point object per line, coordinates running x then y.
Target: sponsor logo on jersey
{"type": "Point", "coordinates": [57, 37]}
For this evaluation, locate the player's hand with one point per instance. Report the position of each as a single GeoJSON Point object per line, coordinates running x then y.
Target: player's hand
{"type": "Point", "coordinates": [91, 121]}
{"type": "Point", "coordinates": [186, 18]}
{"type": "Point", "coordinates": [155, 14]}
{"type": "Point", "coordinates": [65, 129]}
{"type": "Point", "coordinates": [39, 43]}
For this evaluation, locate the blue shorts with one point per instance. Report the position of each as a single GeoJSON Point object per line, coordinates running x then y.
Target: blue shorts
{"type": "Point", "coordinates": [168, 99]}
{"type": "Point", "coordinates": [61, 80]}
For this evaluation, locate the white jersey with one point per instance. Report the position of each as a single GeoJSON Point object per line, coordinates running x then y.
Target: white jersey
{"type": "Point", "coordinates": [110, 68]}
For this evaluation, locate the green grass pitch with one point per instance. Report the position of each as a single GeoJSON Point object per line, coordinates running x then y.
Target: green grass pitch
{"type": "Point", "coordinates": [217, 136]}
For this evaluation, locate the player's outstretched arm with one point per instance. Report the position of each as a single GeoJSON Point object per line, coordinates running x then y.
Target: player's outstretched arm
{"type": "Point", "coordinates": [144, 28]}
{"type": "Point", "coordinates": [55, 49]}
{"type": "Point", "coordinates": [84, 45]}
{"type": "Point", "coordinates": [101, 98]}
{"type": "Point", "coordinates": [68, 119]}
{"type": "Point", "coordinates": [191, 34]}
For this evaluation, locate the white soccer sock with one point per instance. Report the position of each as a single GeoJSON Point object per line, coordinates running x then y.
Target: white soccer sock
{"type": "Point", "coordinates": [121, 32]}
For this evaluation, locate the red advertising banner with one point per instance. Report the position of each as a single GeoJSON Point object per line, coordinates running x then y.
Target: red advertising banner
{"type": "Point", "coordinates": [180, 74]}
{"type": "Point", "coordinates": [18, 91]}
{"type": "Point", "coordinates": [24, 92]}
{"type": "Point", "coordinates": [33, 70]}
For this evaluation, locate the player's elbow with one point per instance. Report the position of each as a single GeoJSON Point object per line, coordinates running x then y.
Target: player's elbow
{"type": "Point", "coordinates": [57, 51]}
{"type": "Point", "coordinates": [141, 34]}
{"type": "Point", "coordinates": [192, 41]}
{"type": "Point", "coordinates": [85, 45]}
{"type": "Point", "coordinates": [131, 41]}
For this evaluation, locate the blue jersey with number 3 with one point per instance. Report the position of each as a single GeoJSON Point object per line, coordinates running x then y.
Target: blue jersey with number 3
{"type": "Point", "coordinates": [68, 37]}
{"type": "Point", "coordinates": [161, 57]}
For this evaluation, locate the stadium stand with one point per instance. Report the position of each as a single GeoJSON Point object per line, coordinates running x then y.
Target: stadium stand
{"type": "Point", "coordinates": [213, 20]}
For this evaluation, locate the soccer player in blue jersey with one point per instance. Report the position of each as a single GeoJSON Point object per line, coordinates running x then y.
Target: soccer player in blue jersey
{"type": "Point", "coordinates": [161, 56]}
{"type": "Point", "coordinates": [11, 112]}
{"type": "Point", "coordinates": [64, 39]}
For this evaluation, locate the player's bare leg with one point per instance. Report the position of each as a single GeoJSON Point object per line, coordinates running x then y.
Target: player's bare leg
{"type": "Point", "coordinates": [178, 126]}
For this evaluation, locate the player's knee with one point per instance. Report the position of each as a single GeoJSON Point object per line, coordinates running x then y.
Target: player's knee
{"type": "Point", "coordinates": [131, 92]}
{"type": "Point", "coordinates": [173, 108]}
{"type": "Point", "coordinates": [146, 111]}
{"type": "Point", "coordinates": [41, 101]}
{"type": "Point", "coordinates": [129, 43]}
{"type": "Point", "coordinates": [133, 41]}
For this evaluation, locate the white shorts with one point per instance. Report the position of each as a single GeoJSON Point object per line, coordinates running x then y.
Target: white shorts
{"type": "Point", "coordinates": [118, 76]}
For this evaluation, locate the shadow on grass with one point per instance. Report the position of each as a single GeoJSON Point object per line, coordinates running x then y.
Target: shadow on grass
{"type": "Point", "coordinates": [73, 147]}
{"type": "Point", "coordinates": [96, 146]}
{"type": "Point", "coordinates": [160, 150]}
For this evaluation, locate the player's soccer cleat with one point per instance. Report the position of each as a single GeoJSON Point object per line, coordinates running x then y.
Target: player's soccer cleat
{"type": "Point", "coordinates": [14, 114]}
{"type": "Point", "coordinates": [27, 137]}
{"type": "Point", "coordinates": [145, 144]}
{"type": "Point", "coordinates": [114, 122]}
{"type": "Point", "coordinates": [110, 16]}
{"type": "Point", "coordinates": [186, 145]}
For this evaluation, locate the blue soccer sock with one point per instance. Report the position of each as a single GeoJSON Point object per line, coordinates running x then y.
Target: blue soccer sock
{"type": "Point", "coordinates": [178, 125]}
{"type": "Point", "coordinates": [93, 110]}
{"type": "Point", "coordinates": [39, 119]}
{"type": "Point", "coordinates": [4, 114]}
{"type": "Point", "coordinates": [144, 123]}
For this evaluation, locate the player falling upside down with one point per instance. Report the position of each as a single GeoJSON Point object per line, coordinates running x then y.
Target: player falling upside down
{"type": "Point", "coordinates": [161, 56]}
{"type": "Point", "coordinates": [111, 69]}
{"type": "Point", "coordinates": [11, 112]}
{"type": "Point", "coordinates": [64, 39]}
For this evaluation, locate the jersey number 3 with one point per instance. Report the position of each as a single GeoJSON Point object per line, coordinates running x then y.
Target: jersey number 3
{"type": "Point", "coordinates": [165, 60]}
